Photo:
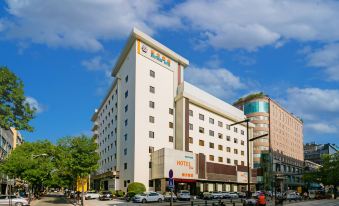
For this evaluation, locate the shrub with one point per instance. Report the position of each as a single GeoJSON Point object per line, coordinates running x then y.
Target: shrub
{"type": "Point", "coordinates": [119, 193]}
{"type": "Point", "coordinates": [136, 187]}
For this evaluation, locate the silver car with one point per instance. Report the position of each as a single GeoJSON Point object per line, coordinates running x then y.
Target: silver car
{"type": "Point", "coordinates": [184, 195]}
{"type": "Point", "coordinates": [148, 197]}
{"type": "Point", "coordinates": [16, 201]}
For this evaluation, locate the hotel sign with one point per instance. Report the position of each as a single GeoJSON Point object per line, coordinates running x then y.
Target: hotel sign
{"type": "Point", "coordinates": [182, 163]}
{"type": "Point", "coordinates": [153, 54]}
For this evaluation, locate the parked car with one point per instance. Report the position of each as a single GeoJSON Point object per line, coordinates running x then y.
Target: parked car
{"type": "Point", "coordinates": [234, 195]}
{"type": "Point", "coordinates": [92, 195]}
{"type": "Point", "coordinates": [148, 197]}
{"type": "Point", "coordinates": [226, 195]}
{"type": "Point", "coordinates": [17, 201]}
{"type": "Point", "coordinates": [293, 196]}
{"type": "Point", "coordinates": [167, 196]}
{"type": "Point", "coordinates": [216, 195]}
{"type": "Point", "coordinates": [106, 195]}
{"type": "Point", "coordinates": [241, 194]}
{"type": "Point", "coordinates": [207, 196]}
{"type": "Point", "coordinates": [250, 202]}
{"type": "Point", "coordinates": [184, 195]}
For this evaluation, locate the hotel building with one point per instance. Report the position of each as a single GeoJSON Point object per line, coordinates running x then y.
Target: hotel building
{"type": "Point", "coordinates": [152, 121]}
{"type": "Point", "coordinates": [281, 152]}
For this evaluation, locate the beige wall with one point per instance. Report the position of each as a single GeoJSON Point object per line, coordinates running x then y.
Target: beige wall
{"type": "Point", "coordinates": [286, 132]}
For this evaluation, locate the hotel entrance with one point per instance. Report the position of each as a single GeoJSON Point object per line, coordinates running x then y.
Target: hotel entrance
{"type": "Point", "coordinates": [185, 184]}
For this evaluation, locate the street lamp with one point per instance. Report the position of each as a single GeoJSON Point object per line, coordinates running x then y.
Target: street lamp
{"type": "Point", "coordinates": [248, 152]}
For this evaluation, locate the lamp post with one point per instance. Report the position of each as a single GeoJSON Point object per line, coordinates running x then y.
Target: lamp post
{"type": "Point", "coordinates": [248, 152]}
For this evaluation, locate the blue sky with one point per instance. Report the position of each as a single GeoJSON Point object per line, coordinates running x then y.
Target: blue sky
{"type": "Point", "coordinates": [64, 50]}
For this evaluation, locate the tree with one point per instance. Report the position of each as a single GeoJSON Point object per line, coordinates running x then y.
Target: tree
{"type": "Point", "coordinates": [14, 110]}
{"type": "Point", "coordinates": [79, 157]}
{"type": "Point", "coordinates": [32, 162]}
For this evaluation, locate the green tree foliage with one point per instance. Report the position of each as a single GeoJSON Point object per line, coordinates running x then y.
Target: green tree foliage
{"type": "Point", "coordinates": [79, 156]}
{"type": "Point", "coordinates": [32, 162]}
{"type": "Point", "coordinates": [328, 174]}
{"type": "Point", "coordinates": [136, 187]}
{"type": "Point", "coordinates": [14, 110]}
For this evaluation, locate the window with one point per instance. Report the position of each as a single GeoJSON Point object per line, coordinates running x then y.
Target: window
{"type": "Point", "coordinates": [228, 149]}
{"type": "Point", "coordinates": [150, 149]}
{"type": "Point", "coordinates": [211, 133]}
{"type": "Point", "coordinates": [242, 142]}
{"type": "Point", "coordinates": [126, 108]}
{"type": "Point", "coordinates": [190, 112]}
{"type": "Point", "coordinates": [151, 119]}
{"type": "Point", "coordinates": [220, 147]}
{"type": "Point", "coordinates": [191, 126]}
{"type": "Point", "coordinates": [151, 73]}
{"type": "Point", "coordinates": [170, 124]}
{"type": "Point", "coordinates": [190, 140]}
{"type": "Point", "coordinates": [211, 120]}
{"type": "Point", "coordinates": [201, 117]}
{"type": "Point", "coordinates": [125, 137]}
{"type": "Point", "coordinates": [151, 104]}
{"type": "Point", "coordinates": [125, 184]}
{"type": "Point", "coordinates": [235, 129]}
{"type": "Point", "coordinates": [152, 89]}
{"type": "Point", "coordinates": [125, 166]}
{"type": "Point", "coordinates": [235, 162]}
{"type": "Point", "coordinates": [170, 111]}
{"type": "Point", "coordinates": [219, 135]}
{"type": "Point", "coordinates": [228, 160]}
{"type": "Point", "coordinates": [151, 134]}
{"type": "Point", "coordinates": [201, 143]}
{"type": "Point", "coordinates": [242, 153]}
{"type": "Point", "coordinates": [125, 151]}
{"type": "Point", "coordinates": [150, 165]}
{"type": "Point", "coordinates": [235, 151]}
{"type": "Point", "coordinates": [126, 122]}
{"type": "Point", "coordinates": [228, 127]}
{"type": "Point", "coordinates": [211, 158]}
{"type": "Point", "coordinates": [235, 140]}
{"type": "Point", "coordinates": [150, 183]}
{"type": "Point", "coordinates": [126, 78]}
{"type": "Point", "coordinates": [201, 130]}
{"type": "Point", "coordinates": [116, 105]}
{"type": "Point", "coordinates": [228, 138]}
{"type": "Point", "coordinates": [219, 124]}
{"type": "Point", "coordinates": [211, 145]}
{"type": "Point", "coordinates": [242, 132]}
{"type": "Point", "coordinates": [126, 94]}
{"type": "Point", "coordinates": [170, 138]}
{"type": "Point", "coordinates": [220, 159]}
{"type": "Point", "coordinates": [242, 163]}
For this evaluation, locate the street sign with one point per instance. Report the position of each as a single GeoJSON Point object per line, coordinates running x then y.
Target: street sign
{"type": "Point", "coordinates": [170, 180]}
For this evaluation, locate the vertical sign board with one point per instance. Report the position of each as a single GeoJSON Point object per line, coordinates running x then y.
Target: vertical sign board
{"type": "Point", "coordinates": [170, 180]}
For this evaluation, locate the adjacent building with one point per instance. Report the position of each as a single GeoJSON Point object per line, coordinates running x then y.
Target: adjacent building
{"type": "Point", "coordinates": [152, 121]}
{"type": "Point", "coordinates": [9, 139]}
{"type": "Point", "coordinates": [313, 151]}
{"type": "Point", "coordinates": [281, 151]}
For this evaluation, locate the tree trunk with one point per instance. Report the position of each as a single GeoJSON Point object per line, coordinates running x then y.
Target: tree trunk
{"type": "Point", "coordinates": [82, 192]}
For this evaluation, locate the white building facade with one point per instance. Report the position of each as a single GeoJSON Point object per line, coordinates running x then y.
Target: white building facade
{"type": "Point", "coordinates": [151, 121]}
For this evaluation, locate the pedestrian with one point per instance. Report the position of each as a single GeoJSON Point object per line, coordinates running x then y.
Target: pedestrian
{"type": "Point", "coordinates": [262, 199]}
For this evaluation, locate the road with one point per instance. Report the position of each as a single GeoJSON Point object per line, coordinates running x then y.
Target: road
{"type": "Point", "coordinates": [317, 203]}
{"type": "Point", "coordinates": [51, 199]}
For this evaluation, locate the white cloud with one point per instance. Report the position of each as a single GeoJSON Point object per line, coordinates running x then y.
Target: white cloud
{"type": "Point", "coordinates": [33, 103]}
{"type": "Point", "coordinates": [250, 24]}
{"type": "Point", "coordinates": [83, 24]}
{"type": "Point", "coordinates": [219, 82]}
{"type": "Point", "coordinates": [326, 58]}
{"type": "Point", "coordinates": [319, 108]}
{"type": "Point", "coordinates": [95, 64]}
{"type": "Point", "coordinates": [322, 128]}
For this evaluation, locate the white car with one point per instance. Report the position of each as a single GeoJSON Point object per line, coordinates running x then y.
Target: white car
{"type": "Point", "coordinates": [184, 195]}
{"type": "Point", "coordinates": [16, 201]}
{"type": "Point", "coordinates": [216, 195]}
{"type": "Point", "coordinates": [91, 195]}
{"type": "Point", "coordinates": [148, 197]}
{"type": "Point", "coordinates": [234, 195]}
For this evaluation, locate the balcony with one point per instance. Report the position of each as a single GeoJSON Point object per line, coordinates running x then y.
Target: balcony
{"type": "Point", "coordinates": [95, 126]}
